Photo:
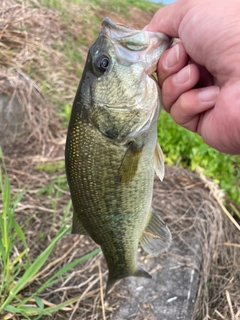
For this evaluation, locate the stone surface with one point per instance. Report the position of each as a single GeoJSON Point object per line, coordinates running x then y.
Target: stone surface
{"type": "Point", "coordinates": [171, 294]}
{"type": "Point", "coordinates": [11, 119]}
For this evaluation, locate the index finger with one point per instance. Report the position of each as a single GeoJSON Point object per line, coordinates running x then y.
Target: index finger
{"type": "Point", "coordinates": [171, 61]}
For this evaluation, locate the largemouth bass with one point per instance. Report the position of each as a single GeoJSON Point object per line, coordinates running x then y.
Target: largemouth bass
{"type": "Point", "coordinates": [112, 149]}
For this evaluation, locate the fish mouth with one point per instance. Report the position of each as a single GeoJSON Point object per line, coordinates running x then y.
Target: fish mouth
{"type": "Point", "coordinates": [126, 31]}
{"type": "Point", "coordinates": [132, 46]}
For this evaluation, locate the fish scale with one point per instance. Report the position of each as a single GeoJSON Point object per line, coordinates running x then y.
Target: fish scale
{"type": "Point", "coordinates": [111, 149]}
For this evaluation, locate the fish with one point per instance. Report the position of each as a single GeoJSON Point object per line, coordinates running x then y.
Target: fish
{"type": "Point", "coordinates": [112, 151]}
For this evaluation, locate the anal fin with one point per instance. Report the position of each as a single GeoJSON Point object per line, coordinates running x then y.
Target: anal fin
{"type": "Point", "coordinates": [77, 227]}
{"type": "Point", "coordinates": [156, 237]}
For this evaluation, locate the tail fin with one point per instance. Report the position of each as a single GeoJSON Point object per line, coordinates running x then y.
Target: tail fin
{"type": "Point", "coordinates": [112, 278]}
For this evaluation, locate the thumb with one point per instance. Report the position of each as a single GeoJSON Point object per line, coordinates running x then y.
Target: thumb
{"type": "Point", "coordinates": [167, 19]}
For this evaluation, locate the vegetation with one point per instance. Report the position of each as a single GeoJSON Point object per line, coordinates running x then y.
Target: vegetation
{"type": "Point", "coordinates": [17, 270]}
{"type": "Point", "coordinates": [187, 149]}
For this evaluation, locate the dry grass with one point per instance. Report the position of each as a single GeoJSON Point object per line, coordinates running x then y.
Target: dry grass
{"type": "Point", "coordinates": [185, 203]}
{"type": "Point", "coordinates": [20, 45]}
{"type": "Point", "coordinates": [191, 206]}
{"type": "Point", "coordinates": [36, 70]}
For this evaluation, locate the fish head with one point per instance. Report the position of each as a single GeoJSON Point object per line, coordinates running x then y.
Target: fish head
{"type": "Point", "coordinates": [131, 46]}
{"type": "Point", "coordinates": [118, 89]}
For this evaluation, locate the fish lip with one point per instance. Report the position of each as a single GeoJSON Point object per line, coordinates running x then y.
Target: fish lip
{"type": "Point", "coordinates": [116, 31]}
{"type": "Point", "coordinates": [109, 27]}
{"type": "Point", "coordinates": [107, 22]}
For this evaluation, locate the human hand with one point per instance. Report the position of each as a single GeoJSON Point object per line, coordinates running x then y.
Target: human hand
{"type": "Point", "coordinates": [200, 75]}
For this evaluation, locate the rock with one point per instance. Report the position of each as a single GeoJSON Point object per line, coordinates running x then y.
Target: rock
{"type": "Point", "coordinates": [171, 294]}
{"type": "Point", "coordinates": [11, 119]}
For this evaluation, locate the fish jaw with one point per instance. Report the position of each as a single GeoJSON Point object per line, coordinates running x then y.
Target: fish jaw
{"type": "Point", "coordinates": [143, 45]}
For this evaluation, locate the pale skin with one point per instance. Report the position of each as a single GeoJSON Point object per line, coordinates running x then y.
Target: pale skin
{"type": "Point", "coordinates": [200, 75]}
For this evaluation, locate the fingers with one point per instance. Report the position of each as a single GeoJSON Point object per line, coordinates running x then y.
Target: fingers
{"type": "Point", "coordinates": [187, 88]}
{"type": "Point", "coordinates": [178, 83]}
{"type": "Point", "coordinates": [187, 109]}
{"type": "Point", "coordinates": [171, 61]}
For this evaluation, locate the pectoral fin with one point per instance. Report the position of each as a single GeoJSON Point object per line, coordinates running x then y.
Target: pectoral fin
{"type": "Point", "coordinates": [159, 162]}
{"type": "Point", "coordinates": [156, 237]}
{"type": "Point", "coordinates": [130, 161]}
{"type": "Point", "coordinates": [77, 227]}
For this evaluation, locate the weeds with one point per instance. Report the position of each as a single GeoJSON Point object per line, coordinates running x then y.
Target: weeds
{"type": "Point", "coordinates": [187, 149]}
{"type": "Point", "coordinates": [17, 271]}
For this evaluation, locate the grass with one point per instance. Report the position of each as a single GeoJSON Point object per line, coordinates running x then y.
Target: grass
{"type": "Point", "coordinates": [120, 6]}
{"type": "Point", "coordinates": [123, 7]}
{"type": "Point", "coordinates": [17, 271]}
{"type": "Point", "coordinates": [184, 148]}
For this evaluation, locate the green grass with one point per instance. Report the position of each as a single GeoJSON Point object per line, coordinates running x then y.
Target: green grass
{"type": "Point", "coordinates": [117, 6]}
{"type": "Point", "coordinates": [17, 272]}
{"type": "Point", "coordinates": [187, 149]}
{"type": "Point", "coordinates": [123, 6]}
{"type": "Point", "coordinates": [50, 167]}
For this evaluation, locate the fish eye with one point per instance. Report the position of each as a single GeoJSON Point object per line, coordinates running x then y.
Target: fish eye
{"type": "Point", "coordinates": [102, 63]}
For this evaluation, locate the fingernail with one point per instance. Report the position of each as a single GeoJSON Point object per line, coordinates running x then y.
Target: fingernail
{"type": "Point", "coordinates": [172, 57]}
{"type": "Point", "coordinates": [208, 94]}
{"type": "Point", "coordinates": [182, 76]}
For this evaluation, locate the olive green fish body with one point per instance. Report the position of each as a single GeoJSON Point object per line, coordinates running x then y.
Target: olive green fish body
{"type": "Point", "coordinates": [110, 153]}
{"type": "Point", "coordinates": [110, 210]}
